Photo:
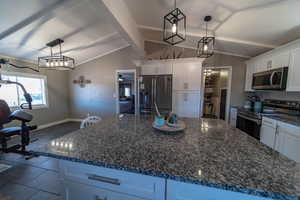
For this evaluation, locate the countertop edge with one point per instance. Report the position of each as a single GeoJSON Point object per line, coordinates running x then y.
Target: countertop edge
{"type": "Point", "coordinates": [228, 187]}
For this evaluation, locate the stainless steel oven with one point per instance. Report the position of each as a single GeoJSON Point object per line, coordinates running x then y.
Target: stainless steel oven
{"type": "Point", "coordinates": [250, 124]}
{"type": "Point", "coordinates": [275, 79]}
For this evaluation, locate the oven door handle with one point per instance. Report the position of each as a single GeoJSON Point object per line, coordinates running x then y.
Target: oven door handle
{"type": "Point", "coordinates": [271, 78]}
{"type": "Point", "coordinates": [257, 121]}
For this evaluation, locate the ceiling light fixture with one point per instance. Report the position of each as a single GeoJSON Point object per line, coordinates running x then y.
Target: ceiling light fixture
{"type": "Point", "coordinates": [206, 45]}
{"type": "Point", "coordinates": [56, 61]}
{"type": "Point", "coordinates": [174, 27]}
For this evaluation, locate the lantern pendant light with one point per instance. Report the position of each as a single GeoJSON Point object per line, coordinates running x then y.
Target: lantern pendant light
{"type": "Point", "coordinates": [206, 45]}
{"type": "Point", "coordinates": [174, 27]}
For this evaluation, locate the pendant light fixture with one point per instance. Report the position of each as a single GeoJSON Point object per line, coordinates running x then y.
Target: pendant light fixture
{"type": "Point", "coordinates": [56, 61]}
{"type": "Point", "coordinates": [206, 45]}
{"type": "Point", "coordinates": [174, 26]}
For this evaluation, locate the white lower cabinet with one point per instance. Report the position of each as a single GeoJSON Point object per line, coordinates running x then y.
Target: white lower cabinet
{"type": "Point", "coordinates": [282, 137]}
{"type": "Point", "coordinates": [186, 104]}
{"type": "Point", "coordinates": [289, 141]}
{"type": "Point", "coordinates": [77, 191]}
{"type": "Point", "coordinates": [99, 180]}
{"type": "Point", "coordinates": [268, 132]}
{"type": "Point", "coordinates": [185, 191]}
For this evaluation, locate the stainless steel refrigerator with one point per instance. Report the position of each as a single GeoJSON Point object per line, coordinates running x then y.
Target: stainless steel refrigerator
{"type": "Point", "coordinates": [157, 89]}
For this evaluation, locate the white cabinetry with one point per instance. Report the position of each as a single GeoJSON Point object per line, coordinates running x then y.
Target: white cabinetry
{"type": "Point", "coordinates": [261, 64]}
{"type": "Point", "coordinates": [157, 68]}
{"type": "Point", "coordinates": [108, 184]}
{"type": "Point", "coordinates": [282, 137]}
{"type": "Point", "coordinates": [250, 67]}
{"type": "Point", "coordinates": [268, 132]}
{"type": "Point", "coordinates": [187, 76]}
{"type": "Point", "coordinates": [293, 83]}
{"type": "Point", "coordinates": [289, 141]}
{"type": "Point", "coordinates": [186, 104]}
{"type": "Point", "coordinates": [77, 191]}
{"type": "Point", "coordinates": [280, 59]}
{"type": "Point", "coordinates": [185, 191]}
{"type": "Point", "coordinates": [186, 89]}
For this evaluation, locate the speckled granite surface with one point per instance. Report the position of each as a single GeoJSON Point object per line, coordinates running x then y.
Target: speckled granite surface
{"type": "Point", "coordinates": [294, 120]}
{"type": "Point", "coordinates": [208, 152]}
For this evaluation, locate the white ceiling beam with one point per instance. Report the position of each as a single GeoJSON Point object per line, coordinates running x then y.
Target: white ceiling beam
{"type": "Point", "coordinates": [225, 39]}
{"type": "Point", "coordinates": [189, 47]}
{"type": "Point", "coordinates": [126, 24]}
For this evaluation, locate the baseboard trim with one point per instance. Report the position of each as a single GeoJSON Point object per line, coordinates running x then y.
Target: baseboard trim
{"type": "Point", "coordinates": [57, 123]}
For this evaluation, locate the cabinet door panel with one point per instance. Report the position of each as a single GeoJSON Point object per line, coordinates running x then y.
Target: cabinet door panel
{"type": "Point", "coordinates": [267, 135]}
{"type": "Point", "coordinates": [249, 76]}
{"type": "Point", "coordinates": [165, 68]}
{"type": "Point", "coordinates": [280, 60]}
{"type": "Point", "coordinates": [76, 191]}
{"type": "Point", "coordinates": [294, 71]}
{"type": "Point", "coordinates": [186, 76]}
{"type": "Point", "coordinates": [185, 191]}
{"type": "Point", "coordinates": [186, 104]}
{"type": "Point", "coordinates": [289, 141]}
{"type": "Point", "coordinates": [149, 70]}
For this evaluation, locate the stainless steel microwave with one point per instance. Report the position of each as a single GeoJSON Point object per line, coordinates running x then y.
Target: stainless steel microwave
{"type": "Point", "coordinates": [275, 79]}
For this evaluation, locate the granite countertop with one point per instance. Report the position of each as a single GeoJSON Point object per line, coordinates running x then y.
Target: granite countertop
{"type": "Point", "coordinates": [209, 152]}
{"type": "Point", "coordinates": [290, 119]}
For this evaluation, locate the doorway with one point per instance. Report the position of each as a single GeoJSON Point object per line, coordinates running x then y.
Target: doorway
{"type": "Point", "coordinates": [216, 92]}
{"type": "Point", "coordinates": [126, 91]}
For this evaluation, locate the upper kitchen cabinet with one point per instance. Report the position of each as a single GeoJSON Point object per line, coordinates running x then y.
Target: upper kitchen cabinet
{"type": "Point", "coordinates": [279, 59]}
{"type": "Point", "coordinates": [250, 67]}
{"type": "Point", "coordinates": [261, 64]}
{"type": "Point", "coordinates": [187, 76]}
{"type": "Point", "coordinates": [157, 68]}
{"type": "Point", "coordinates": [293, 84]}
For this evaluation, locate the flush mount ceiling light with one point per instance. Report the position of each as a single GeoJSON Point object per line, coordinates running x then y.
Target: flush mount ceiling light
{"type": "Point", "coordinates": [206, 45]}
{"type": "Point", "coordinates": [56, 61]}
{"type": "Point", "coordinates": [174, 27]}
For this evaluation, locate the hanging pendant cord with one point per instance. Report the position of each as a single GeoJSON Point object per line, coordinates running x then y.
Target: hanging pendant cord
{"type": "Point", "coordinates": [175, 5]}
{"type": "Point", "coordinates": [206, 29]}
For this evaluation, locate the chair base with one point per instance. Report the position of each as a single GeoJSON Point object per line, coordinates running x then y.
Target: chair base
{"type": "Point", "coordinates": [18, 149]}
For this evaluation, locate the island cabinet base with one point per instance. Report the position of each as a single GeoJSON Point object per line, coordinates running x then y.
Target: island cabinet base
{"type": "Point", "coordinates": [89, 182]}
{"type": "Point", "coordinates": [186, 191]}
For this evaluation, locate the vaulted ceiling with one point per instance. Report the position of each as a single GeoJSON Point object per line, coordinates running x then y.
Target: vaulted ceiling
{"type": "Point", "coordinates": [241, 27]}
{"type": "Point", "coordinates": [85, 26]}
{"type": "Point", "coordinates": [93, 28]}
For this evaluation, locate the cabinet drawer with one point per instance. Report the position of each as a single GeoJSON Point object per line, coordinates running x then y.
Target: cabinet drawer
{"type": "Point", "coordinates": [115, 180]}
{"type": "Point", "coordinates": [77, 191]}
{"type": "Point", "coordinates": [269, 122]}
{"type": "Point", "coordinates": [185, 191]}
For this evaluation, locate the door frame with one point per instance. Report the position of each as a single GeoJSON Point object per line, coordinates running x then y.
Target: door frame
{"type": "Point", "coordinates": [229, 68]}
{"type": "Point", "coordinates": [117, 89]}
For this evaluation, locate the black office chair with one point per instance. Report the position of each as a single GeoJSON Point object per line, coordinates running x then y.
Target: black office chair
{"type": "Point", "coordinates": [6, 133]}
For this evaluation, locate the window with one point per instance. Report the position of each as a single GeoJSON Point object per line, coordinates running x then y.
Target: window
{"type": "Point", "coordinates": [34, 85]}
{"type": "Point", "coordinates": [127, 92]}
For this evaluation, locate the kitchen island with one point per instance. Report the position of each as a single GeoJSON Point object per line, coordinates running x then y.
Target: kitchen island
{"type": "Point", "coordinates": [209, 154]}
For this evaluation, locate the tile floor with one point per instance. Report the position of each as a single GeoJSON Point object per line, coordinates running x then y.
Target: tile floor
{"type": "Point", "coordinates": [37, 178]}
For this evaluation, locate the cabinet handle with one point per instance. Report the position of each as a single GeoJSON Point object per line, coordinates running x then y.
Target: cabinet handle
{"type": "Point", "coordinates": [104, 179]}
{"type": "Point", "coordinates": [99, 198]}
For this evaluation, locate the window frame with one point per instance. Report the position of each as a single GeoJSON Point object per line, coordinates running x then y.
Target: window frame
{"type": "Point", "coordinates": [28, 75]}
